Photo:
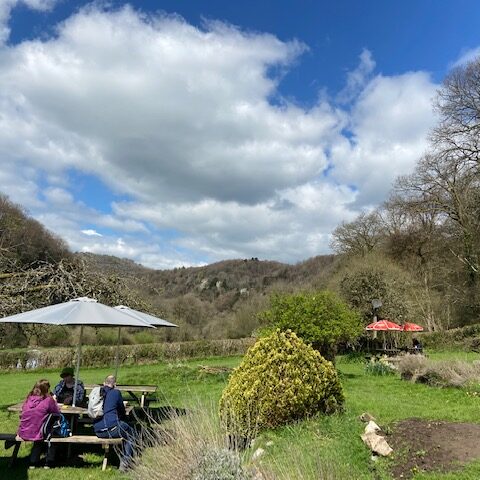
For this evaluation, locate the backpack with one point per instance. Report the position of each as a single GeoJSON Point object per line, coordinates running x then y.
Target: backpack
{"type": "Point", "coordinates": [55, 425]}
{"type": "Point", "coordinates": [95, 403]}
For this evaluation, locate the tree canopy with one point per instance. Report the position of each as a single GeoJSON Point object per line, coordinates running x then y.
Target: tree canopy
{"type": "Point", "coordinates": [319, 318]}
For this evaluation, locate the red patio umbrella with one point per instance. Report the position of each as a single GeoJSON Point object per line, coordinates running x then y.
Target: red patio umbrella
{"type": "Point", "coordinates": [384, 326]}
{"type": "Point", "coordinates": [412, 327]}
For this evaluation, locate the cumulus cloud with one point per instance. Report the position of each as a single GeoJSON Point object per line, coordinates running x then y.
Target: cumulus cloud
{"type": "Point", "coordinates": [389, 124]}
{"type": "Point", "coordinates": [179, 119]}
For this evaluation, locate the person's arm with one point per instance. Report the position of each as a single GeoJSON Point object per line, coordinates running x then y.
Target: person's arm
{"type": "Point", "coordinates": [53, 406]}
{"type": "Point", "coordinates": [58, 389]}
{"type": "Point", "coordinates": [80, 392]}
{"type": "Point", "coordinates": [122, 414]}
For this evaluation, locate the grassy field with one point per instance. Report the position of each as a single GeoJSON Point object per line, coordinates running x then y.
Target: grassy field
{"type": "Point", "coordinates": [334, 441]}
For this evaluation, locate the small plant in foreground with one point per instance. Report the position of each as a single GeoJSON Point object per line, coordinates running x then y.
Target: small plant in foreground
{"type": "Point", "coordinates": [189, 447]}
{"type": "Point", "coordinates": [219, 464]}
{"type": "Point", "coordinates": [380, 366]}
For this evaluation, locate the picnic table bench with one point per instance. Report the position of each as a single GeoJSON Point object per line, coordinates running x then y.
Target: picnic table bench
{"type": "Point", "coordinates": [12, 440]}
{"type": "Point", "coordinates": [133, 391]}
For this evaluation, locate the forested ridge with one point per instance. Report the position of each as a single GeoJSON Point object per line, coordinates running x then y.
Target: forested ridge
{"type": "Point", "coordinates": [419, 252]}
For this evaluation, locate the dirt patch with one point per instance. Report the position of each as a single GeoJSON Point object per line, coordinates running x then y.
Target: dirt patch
{"type": "Point", "coordinates": [423, 445]}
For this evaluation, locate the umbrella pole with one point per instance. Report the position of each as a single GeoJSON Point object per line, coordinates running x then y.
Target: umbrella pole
{"type": "Point", "coordinates": [117, 356]}
{"type": "Point", "coordinates": [77, 368]}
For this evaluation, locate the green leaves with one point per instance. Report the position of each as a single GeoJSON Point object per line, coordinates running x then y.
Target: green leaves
{"type": "Point", "coordinates": [319, 318]}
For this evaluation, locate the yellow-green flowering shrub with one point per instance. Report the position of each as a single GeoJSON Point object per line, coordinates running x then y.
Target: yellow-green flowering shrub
{"type": "Point", "coordinates": [281, 379]}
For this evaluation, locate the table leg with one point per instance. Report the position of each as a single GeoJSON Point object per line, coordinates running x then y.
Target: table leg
{"type": "Point", "coordinates": [106, 449]}
{"type": "Point", "coordinates": [134, 397]}
{"type": "Point", "coordinates": [16, 448]}
{"type": "Point", "coordinates": [72, 428]}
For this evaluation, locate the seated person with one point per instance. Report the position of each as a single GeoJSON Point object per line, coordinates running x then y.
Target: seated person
{"type": "Point", "coordinates": [35, 410]}
{"type": "Point", "coordinates": [112, 424]}
{"type": "Point", "coordinates": [63, 391]}
{"type": "Point", "coordinates": [417, 346]}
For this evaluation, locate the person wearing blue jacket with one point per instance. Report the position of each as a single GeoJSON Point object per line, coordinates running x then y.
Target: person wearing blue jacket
{"type": "Point", "coordinates": [112, 424]}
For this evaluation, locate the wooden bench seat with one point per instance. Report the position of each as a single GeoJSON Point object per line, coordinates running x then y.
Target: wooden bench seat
{"type": "Point", "coordinates": [12, 440]}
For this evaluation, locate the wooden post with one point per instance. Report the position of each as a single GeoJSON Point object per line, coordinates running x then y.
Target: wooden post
{"type": "Point", "coordinates": [117, 354]}
{"type": "Point", "coordinates": [13, 458]}
{"type": "Point", "coordinates": [77, 369]}
{"type": "Point", "coordinates": [106, 449]}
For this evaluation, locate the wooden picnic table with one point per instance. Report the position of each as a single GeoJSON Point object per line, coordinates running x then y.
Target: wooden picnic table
{"type": "Point", "coordinates": [64, 409]}
{"type": "Point", "coordinates": [75, 414]}
{"type": "Point", "coordinates": [144, 390]}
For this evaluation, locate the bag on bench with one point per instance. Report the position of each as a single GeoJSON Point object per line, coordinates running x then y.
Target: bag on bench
{"type": "Point", "coordinates": [95, 403]}
{"type": "Point", "coordinates": [55, 425]}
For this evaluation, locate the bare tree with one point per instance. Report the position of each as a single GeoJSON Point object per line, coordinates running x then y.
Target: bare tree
{"type": "Point", "coordinates": [458, 106]}
{"type": "Point", "coordinates": [449, 188]}
{"type": "Point", "coordinates": [360, 236]}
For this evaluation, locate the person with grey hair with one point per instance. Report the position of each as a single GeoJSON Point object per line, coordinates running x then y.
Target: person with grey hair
{"type": "Point", "coordinates": [112, 424]}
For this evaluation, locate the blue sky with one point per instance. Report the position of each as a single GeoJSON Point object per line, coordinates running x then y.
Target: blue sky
{"type": "Point", "coordinates": [182, 133]}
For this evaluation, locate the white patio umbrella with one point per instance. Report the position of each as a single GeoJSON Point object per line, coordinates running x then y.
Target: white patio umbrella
{"type": "Point", "coordinates": [146, 317]}
{"type": "Point", "coordinates": [79, 311]}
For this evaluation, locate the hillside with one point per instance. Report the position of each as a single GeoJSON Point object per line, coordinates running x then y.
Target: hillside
{"type": "Point", "coordinates": [220, 300]}
{"type": "Point", "coordinates": [241, 276]}
{"type": "Point", "coordinates": [214, 301]}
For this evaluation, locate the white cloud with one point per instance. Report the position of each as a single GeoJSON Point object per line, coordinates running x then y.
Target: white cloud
{"type": "Point", "coordinates": [390, 122]}
{"type": "Point", "coordinates": [467, 56]}
{"type": "Point", "coordinates": [358, 78]}
{"type": "Point", "coordinates": [91, 233]}
{"type": "Point", "coordinates": [181, 121]}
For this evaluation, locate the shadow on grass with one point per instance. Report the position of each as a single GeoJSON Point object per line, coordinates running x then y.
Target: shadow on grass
{"type": "Point", "coordinates": [18, 472]}
{"type": "Point", "coordinates": [152, 415]}
{"type": "Point", "coordinates": [348, 375]}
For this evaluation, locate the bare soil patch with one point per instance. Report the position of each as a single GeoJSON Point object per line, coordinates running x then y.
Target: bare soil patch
{"type": "Point", "coordinates": [429, 445]}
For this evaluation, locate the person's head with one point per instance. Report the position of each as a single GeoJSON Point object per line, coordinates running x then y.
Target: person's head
{"type": "Point", "coordinates": [40, 389]}
{"type": "Point", "coordinates": [67, 374]}
{"type": "Point", "coordinates": [110, 381]}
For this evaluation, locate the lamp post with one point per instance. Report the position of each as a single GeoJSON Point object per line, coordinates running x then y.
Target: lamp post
{"type": "Point", "coordinates": [376, 304]}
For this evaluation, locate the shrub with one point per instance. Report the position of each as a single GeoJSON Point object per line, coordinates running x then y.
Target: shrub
{"type": "Point", "coordinates": [411, 366]}
{"type": "Point", "coordinates": [188, 447]}
{"type": "Point", "coordinates": [453, 373]}
{"type": "Point", "coordinates": [319, 318]}
{"type": "Point", "coordinates": [281, 379]}
{"type": "Point", "coordinates": [380, 366]}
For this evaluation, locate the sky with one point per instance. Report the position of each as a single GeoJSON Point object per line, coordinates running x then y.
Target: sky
{"type": "Point", "coordinates": [180, 133]}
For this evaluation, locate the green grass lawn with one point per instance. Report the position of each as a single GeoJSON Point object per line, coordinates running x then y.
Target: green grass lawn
{"type": "Point", "coordinates": [333, 441]}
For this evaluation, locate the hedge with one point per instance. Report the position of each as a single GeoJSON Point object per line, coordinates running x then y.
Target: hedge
{"type": "Point", "coordinates": [99, 356]}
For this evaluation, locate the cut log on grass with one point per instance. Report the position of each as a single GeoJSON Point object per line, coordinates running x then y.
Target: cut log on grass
{"type": "Point", "coordinates": [377, 444]}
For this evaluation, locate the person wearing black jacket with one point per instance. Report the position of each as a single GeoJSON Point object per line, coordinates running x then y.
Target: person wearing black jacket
{"type": "Point", "coordinates": [112, 424]}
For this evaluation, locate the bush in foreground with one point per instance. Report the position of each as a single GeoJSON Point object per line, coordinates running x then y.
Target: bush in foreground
{"type": "Point", "coordinates": [281, 379]}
